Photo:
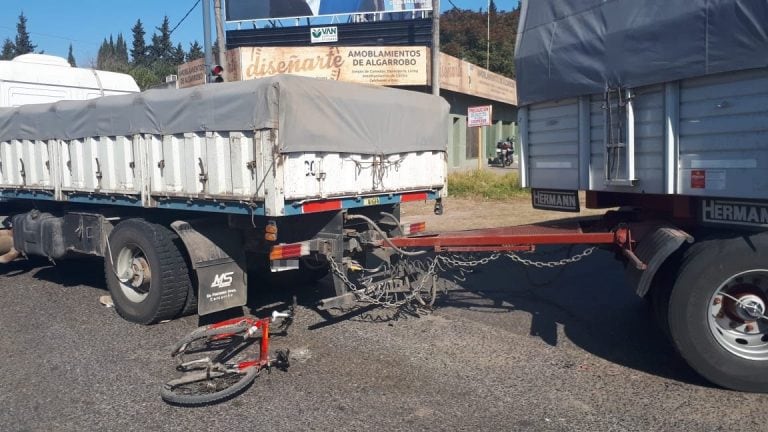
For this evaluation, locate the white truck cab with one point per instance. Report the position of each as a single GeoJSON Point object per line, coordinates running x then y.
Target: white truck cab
{"type": "Point", "coordinates": [41, 78]}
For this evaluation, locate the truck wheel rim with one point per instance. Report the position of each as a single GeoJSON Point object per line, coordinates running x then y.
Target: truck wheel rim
{"type": "Point", "coordinates": [133, 272]}
{"type": "Point", "coordinates": [737, 315]}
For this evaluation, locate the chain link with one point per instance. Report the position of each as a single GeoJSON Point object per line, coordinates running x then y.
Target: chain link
{"type": "Point", "coordinates": [379, 293]}
{"type": "Point", "coordinates": [368, 294]}
{"type": "Point", "coordinates": [552, 264]}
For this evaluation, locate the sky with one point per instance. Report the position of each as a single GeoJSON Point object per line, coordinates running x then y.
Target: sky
{"type": "Point", "coordinates": [54, 24]}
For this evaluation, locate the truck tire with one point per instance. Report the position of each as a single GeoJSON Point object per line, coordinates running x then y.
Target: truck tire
{"type": "Point", "coordinates": [146, 272]}
{"type": "Point", "coordinates": [716, 310]}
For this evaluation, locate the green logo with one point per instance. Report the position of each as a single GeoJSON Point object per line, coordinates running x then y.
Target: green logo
{"type": "Point", "coordinates": [316, 33]}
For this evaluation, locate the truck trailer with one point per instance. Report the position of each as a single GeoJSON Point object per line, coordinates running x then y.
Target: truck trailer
{"type": "Point", "coordinates": [660, 108]}
{"type": "Point", "coordinates": [182, 191]}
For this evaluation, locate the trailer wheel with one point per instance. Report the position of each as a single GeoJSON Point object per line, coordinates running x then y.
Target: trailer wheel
{"type": "Point", "coordinates": [147, 274]}
{"type": "Point", "coordinates": [717, 311]}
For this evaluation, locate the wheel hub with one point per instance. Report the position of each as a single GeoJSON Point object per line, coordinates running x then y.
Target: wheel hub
{"type": "Point", "coordinates": [134, 273]}
{"type": "Point", "coordinates": [750, 307]}
{"type": "Point", "coordinates": [737, 315]}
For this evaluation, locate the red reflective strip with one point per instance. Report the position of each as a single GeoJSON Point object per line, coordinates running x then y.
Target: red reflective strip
{"type": "Point", "coordinates": [320, 206]}
{"type": "Point", "coordinates": [420, 196]}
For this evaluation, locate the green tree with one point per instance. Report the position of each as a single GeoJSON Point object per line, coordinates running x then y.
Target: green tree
{"type": "Point", "coordinates": [9, 50]}
{"type": "Point", "coordinates": [144, 76]}
{"type": "Point", "coordinates": [463, 35]}
{"type": "Point", "coordinates": [121, 50]}
{"type": "Point", "coordinates": [178, 55]}
{"type": "Point", "coordinates": [162, 47]}
{"type": "Point", "coordinates": [71, 57]}
{"type": "Point", "coordinates": [113, 56]}
{"type": "Point", "coordinates": [139, 45]}
{"type": "Point", "coordinates": [195, 51]}
{"type": "Point", "coordinates": [23, 43]}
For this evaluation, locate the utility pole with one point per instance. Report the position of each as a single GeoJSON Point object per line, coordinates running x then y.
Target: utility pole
{"type": "Point", "coordinates": [488, 39]}
{"type": "Point", "coordinates": [207, 39]}
{"type": "Point", "coordinates": [220, 38]}
{"type": "Point", "coordinates": [436, 47]}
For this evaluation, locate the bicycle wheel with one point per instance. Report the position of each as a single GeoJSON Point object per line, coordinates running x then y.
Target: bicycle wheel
{"type": "Point", "coordinates": [208, 387]}
{"type": "Point", "coordinates": [205, 338]}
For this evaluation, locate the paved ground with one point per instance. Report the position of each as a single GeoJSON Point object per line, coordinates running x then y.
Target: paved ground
{"type": "Point", "coordinates": [508, 349]}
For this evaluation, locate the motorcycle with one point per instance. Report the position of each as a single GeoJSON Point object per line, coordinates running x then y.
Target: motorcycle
{"type": "Point", "coordinates": [504, 153]}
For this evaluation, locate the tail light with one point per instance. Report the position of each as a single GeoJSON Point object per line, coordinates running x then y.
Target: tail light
{"type": "Point", "coordinates": [409, 229]}
{"type": "Point", "coordinates": [287, 251]}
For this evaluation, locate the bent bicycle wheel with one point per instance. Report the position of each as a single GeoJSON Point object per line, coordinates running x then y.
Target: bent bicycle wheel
{"type": "Point", "coordinates": [206, 387]}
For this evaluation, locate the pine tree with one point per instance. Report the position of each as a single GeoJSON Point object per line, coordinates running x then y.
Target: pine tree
{"type": "Point", "coordinates": [195, 51]}
{"type": "Point", "coordinates": [492, 8]}
{"type": "Point", "coordinates": [162, 47]}
{"type": "Point", "coordinates": [121, 50]}
{"type": "Point", "coordinates": [23, 43]}
{"type": "Point", "coordinates": [113, 56]}
{"type": "Point", "coordinates": [178, 55]}
{"type": "Point", "coordinates": [9, 50]}
{"type": "Point", "coordinates": [71, 57]}
{"type": "Point", "coordinates": [139, 47]}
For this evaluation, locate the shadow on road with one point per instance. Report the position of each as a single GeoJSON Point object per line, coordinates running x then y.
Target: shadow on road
{"type": "Point", "coordinates": [588, 302]}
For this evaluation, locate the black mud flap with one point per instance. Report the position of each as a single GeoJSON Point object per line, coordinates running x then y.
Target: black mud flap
{"type": "Point", "coordinates": [654, 248]}
{"type": "Point", "coordinates": [217, 255]}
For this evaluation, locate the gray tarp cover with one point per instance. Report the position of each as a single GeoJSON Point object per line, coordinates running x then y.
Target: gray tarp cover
{"type": "Point", "coordinates": [570, 48]}
{"type": "Point", "coordinates": [311, 115]}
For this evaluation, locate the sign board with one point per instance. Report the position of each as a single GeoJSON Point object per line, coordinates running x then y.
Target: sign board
{"type": "Point", "coordinates": [479, 116]}
{"type": "Point", "coordinates": [246, 10]}
{"type": "Point", "coordinates": [382, 65]}
{"type": "Point", "coordinates": [191, 74]}
{"type": "Point", "coordinates": [464, 77]}
{"type": "Point", "coordinates": [323, 34]}
{"type": "Point", "coordinates": [558, 200]}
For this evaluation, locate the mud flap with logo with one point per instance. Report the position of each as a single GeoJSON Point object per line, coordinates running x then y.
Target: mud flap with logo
{"type": "Point", "coordinates": [216, 253]}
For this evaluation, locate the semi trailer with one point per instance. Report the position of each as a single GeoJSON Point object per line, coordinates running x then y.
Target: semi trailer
{"type": "Point", "coordinates": [660, 108]}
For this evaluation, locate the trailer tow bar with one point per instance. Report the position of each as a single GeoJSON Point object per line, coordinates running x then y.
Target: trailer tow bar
{"type": "Point", "coordinates": [523, 238]}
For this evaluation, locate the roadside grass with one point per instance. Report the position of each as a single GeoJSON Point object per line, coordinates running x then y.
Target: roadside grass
{"type": "Point", "coordinates": [486, 185]}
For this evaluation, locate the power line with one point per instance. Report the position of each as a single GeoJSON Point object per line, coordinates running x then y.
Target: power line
{"type": "Point", "coordinates": [185, 17]}
{"type": "Point", "coordinates": [51, 36]}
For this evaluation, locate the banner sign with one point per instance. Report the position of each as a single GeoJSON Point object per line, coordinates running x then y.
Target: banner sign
{"type": "Point", "coordinates": [369, 65]}
{"type": "Point", "coordinates": [244, 10]}
{"type": "Point", "coordinates": [382, 65]}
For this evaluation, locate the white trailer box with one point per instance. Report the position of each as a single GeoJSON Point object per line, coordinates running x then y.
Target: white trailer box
{"type": "Point", "coordinates": [40, 78]}
{"type": "Point", "coordinates": [263, 147]}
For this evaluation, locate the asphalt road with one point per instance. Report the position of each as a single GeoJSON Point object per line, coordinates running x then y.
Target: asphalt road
{"type": "Point", "coordinates": [510, 349]}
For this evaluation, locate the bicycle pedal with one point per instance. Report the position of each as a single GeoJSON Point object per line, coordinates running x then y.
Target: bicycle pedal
{"type": "Point", "coordinates": [282, 360]}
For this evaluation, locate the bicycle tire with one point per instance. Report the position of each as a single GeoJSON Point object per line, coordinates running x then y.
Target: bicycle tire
{"type": "Point", "coordinates": [206, 332]}
{"type": "Point", "coordinates": [188, 397]}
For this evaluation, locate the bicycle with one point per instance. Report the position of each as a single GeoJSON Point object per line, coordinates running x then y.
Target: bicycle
{"type": "Point", "coordinates": [217, 378]}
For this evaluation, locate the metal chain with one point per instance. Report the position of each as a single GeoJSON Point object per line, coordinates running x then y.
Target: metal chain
{"type": "Point", "coordinates": [552, 264]}
{"type": "Point", "coordinates": [439, 262]}
{"type": "Point", "coordinates": [454, 261]}
{"type": "Point", "coordinates": [365, 294]}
